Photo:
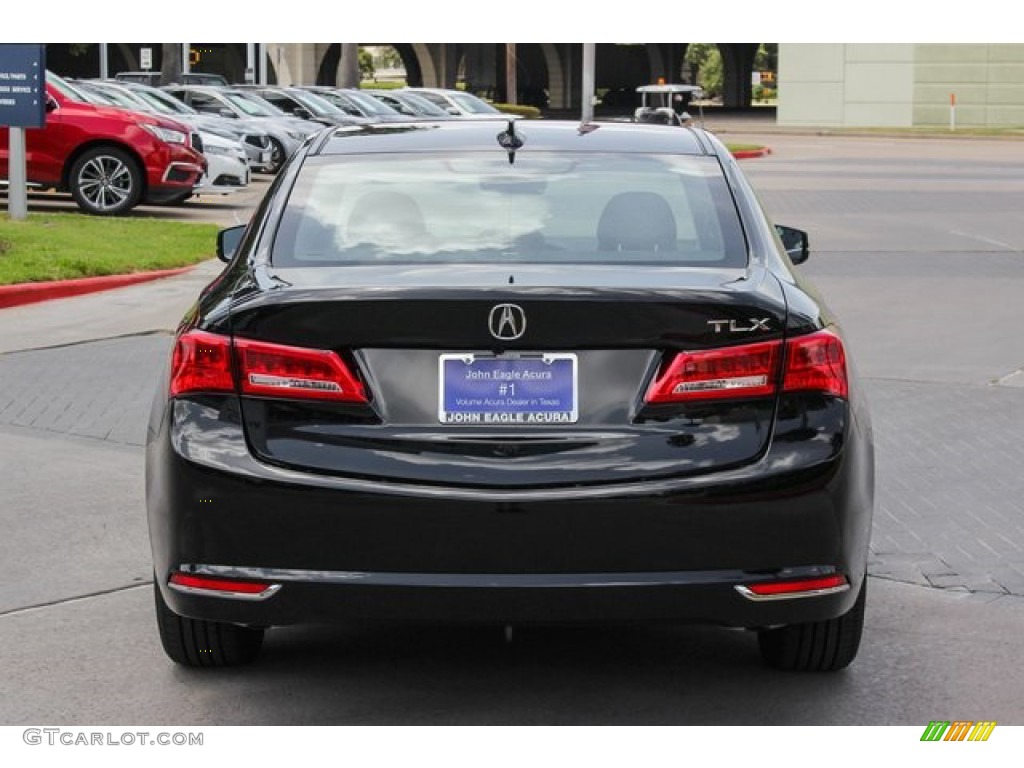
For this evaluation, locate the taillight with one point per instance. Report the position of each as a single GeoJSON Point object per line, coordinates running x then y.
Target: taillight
{"type": "Point", "coordinates": [207, 362]}
{"type": "Point", "coordinates": [813, 363]}
{"type": "Point", "coordinates": [280, 371]}
{"type": "Point", "coordinates": [201, 363]}
{"type": "Point", "coordinates": [750, 370]}
{"type": "Point", "coordinates": [816, 363]}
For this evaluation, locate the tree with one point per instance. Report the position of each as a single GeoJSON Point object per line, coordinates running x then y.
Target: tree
{"type": "Point", "coordinates": [767, 58]}
{"type": "Point", "coordinates": [705, 62]}
{"type": "Point", "coordinates": [366, 68]}
{"type": "Point", "coordinates": [348, 71]}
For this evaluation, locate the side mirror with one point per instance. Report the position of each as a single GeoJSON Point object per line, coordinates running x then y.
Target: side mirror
{"type": "Point", "coordinates": [227, 242]}
{"type": "Point", "coordinates": [452, 111]}
{"type": "Point", "coordinates": [225, 112]}
{"type": "Point", "coordinates": [51, 104]}
{"type": "Point", "coordinates": [302, 112]}
{"type": "Point", "coordinates": [795, 242]}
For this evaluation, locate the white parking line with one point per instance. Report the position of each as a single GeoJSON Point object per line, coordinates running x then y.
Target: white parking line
{"type": "Point", "coordinates": [983, 239]}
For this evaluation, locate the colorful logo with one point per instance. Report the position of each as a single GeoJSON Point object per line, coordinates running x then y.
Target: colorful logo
{"type": "Point", "coordinates": [958, 730]}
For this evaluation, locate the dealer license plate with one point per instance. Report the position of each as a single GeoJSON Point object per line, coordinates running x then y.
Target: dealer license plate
{"type": "Point", "coordinates": [508, 389]}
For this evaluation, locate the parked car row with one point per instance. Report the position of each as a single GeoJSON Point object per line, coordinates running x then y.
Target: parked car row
{"type": "Point", "coordinates": [110, 159]}
{"type": "Point", "coordinates": [329, 106]}
{"type": "Point", "coordinates": [116, 143]}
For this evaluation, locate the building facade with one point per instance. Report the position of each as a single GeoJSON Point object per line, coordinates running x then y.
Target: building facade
{"type": "Point", "coordinates": [901, 85]}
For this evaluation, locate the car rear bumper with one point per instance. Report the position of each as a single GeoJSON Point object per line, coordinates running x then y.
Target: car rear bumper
{"type": "Point", "coordinates": [342, 548]}
{"type": "Point", "coordinates": [302, 597]}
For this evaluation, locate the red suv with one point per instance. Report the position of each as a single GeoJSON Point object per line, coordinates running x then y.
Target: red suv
{"type": "Point", "coordinates": [109, 159]}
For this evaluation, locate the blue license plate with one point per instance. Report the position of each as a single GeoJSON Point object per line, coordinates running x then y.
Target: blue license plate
{"type": "Point", "coordinates": [522, 389]}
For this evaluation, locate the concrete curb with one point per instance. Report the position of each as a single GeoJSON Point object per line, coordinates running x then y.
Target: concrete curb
{"type": "Point", "coordinates": [29, 293]}
{"type": "Point", "coordinates": [746, 154]}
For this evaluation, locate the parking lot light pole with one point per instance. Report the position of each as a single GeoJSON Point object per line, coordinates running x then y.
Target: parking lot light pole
{"type": "Point", "coordinates": [588, 82]}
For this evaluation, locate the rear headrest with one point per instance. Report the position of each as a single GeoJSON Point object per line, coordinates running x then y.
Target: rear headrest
{"type": "Point", "coordinates": [637, 221]}
{"type": "Point", "coordinates": [385, 219]}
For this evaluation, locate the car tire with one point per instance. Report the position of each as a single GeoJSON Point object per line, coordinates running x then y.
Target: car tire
{"type": "Point", "coordinates": [199, 643]}
{"type": "Point", "coordinates": [106, 181]}
{"type": "Point", "coordinates": [817, 646]}
{"type": "Point", "coordinates": [277, 156]}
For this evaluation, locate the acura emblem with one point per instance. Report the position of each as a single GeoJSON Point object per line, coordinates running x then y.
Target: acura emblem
{"type": "Point", "coordinates": [507, 322]}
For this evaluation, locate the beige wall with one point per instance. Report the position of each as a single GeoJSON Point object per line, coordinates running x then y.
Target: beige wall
{"type": "Point", "coordinates": [900, 84]}
{"type": "Point", "coordinates": [845, 84]}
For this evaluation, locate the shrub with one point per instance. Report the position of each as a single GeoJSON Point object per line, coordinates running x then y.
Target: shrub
{"type": "Point", "coordinates": [523, 110]}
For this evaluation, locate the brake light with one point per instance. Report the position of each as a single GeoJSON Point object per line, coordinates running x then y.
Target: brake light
{"type": "Point", "coordinates": [207, 362]}
{"type": "Point", "coordinates": [750, 370]}
{"type": "Point", "coordinates": [201, 363]}
{"type": "Point", "coordinates": [816, 363]}
{"type": "Point", "coordinates": [281, 371]}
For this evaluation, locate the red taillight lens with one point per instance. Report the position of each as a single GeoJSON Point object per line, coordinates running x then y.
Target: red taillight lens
{"type": "Point", "coordinates": [219, 586]}
{"type": "Point", "coordinates": [816, 363]}
{"type": "Point", "coordinates": [750, 370]}
{"type": "Point", "coordinates": [201, 363]}
{"type": "Point", "coordinates": [276, 370]}
{"type": "Point", "coordinates": [795, 587]}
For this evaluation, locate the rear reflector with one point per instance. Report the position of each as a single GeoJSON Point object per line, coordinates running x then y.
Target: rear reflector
{"type": "Point", "coordinates": [780, 590]}
{"type": "Point", "coordinates": [221, 587]}
{"type": "Point", "coordinates": [750, 370]}
{"type": "Point", "coordinates": [208, 362]}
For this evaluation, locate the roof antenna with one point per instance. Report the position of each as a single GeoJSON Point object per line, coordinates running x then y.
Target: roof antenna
{"type": "Point", "coordinates": [510, 140]}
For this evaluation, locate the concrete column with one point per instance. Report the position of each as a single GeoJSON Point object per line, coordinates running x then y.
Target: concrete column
{"type": "Point", "coordinates": [428, 65]}
{"type": "Point", "coordinates": [296, 63]}
{"type": "Point", "coordinates": [481, 70]}
{"type": "Point", "coordinates": [737, 61]}
{"type": "Point", "coordinates": [447, 64]}
{"type": "Point", "coordinates": [348, 67]}
{"type": "Point", "coordinates": [558, 87]}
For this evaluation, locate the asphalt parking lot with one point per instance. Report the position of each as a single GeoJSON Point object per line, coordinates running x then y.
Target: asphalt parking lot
{"type": "Point", "coordinates": [916, 244]}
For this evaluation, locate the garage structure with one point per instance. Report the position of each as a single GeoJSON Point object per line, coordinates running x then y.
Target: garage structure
{"type": "Point", "coordinates": [834, 84]}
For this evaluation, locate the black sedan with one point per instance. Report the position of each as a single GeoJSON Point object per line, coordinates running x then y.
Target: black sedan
{"type": "Point", "coordinates": [508, 373]}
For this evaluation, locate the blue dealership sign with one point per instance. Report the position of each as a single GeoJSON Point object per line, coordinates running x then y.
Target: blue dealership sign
{"type": "Point", "coordinates": [22, 85]}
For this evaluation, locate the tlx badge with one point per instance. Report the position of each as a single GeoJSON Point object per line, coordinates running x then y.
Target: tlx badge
{"type": "Point", "coordinates": [756, 324]}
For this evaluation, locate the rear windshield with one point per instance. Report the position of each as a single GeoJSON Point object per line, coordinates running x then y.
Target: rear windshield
{"type": "Point", "coordinates": [550, 208]}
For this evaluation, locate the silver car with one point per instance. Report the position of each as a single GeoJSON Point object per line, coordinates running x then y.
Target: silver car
{"type": "Point", "coordinates": [286, 132]}
{"type": "Point", "coordinates": [253, 138]}
{"type": "Point", "coordinates": [459, 103]}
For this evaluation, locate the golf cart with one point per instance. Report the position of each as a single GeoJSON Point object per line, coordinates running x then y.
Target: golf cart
{"type": "Point", "coordinates": [666, 104]}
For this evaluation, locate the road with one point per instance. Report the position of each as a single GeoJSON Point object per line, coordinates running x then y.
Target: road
{"type": "Point", "coordinates": [916, 246]}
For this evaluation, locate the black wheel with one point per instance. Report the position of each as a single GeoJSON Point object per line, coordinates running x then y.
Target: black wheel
{"type": "Point", "coordinates": [817, 646]}
{"type": "Point", "coordinates": [277, 156]}
{"type": "Point", "coordinates": [198, 643]}
{"type": "Point", "coordinates": [106, 181]}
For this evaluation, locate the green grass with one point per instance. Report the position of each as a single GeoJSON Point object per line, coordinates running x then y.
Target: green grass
{"type": "Point", "coordinates": [383, 85]}
{"type": "Point", "coordinates": [65, 246]}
